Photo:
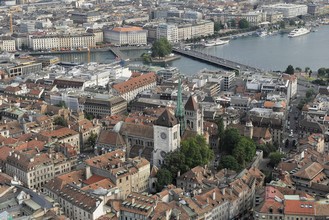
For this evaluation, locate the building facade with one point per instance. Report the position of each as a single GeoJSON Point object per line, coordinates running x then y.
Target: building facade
{"type": "Point", "coordinates": [127, 35]}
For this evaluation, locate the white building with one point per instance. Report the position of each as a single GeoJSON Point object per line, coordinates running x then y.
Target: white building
{"type": "Point", "coordinates": [288, 10]}
{"type": "Point", "coordinates": [7, 44]}
{"type": "Point", "coordinates": [168, 31]}
{"type": "Point", "coordinates": [166, 132]}
{"type": "Point", "coordinates": [127, 35]}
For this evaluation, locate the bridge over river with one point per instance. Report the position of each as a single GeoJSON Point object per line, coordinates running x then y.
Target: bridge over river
{"type": "Point", "coordinates": [224, 63]}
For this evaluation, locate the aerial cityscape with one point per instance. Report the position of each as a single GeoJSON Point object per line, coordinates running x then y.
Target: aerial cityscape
{"type": "Point", "coordinates": [164, 110]}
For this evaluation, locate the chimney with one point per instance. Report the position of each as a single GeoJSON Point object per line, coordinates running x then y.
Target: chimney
{"type": "Point", "coordinates": [32, 159]}
{"type": "Point", "coordinates": [15, 155]}
{"type": "Point", "coordinates": [133, 201]}
{"type": "Point", "coordinates": [5, 121]}
{"type": "Point", "coordinates": [18, 157]}
{"type": "Point", "coordinates": [207, 200]}
{"type": "Point", "coordinates": [50, 156]}
{"type": "Point", "coordinates": [214, 195]}
{"type": "Point", "coordinates": [10, 153]}
{"type": "Point", "coordinates": [223, 191]}
{"type": "Point", "coordinates": [178, 173]}
{"type": "Point", "coordinates": [88, 172]}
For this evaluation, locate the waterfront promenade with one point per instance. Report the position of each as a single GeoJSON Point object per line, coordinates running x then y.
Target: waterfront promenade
{"type": "Point", "coordinates": [214, 60]}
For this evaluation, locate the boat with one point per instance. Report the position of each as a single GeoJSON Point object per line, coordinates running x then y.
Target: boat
{"type": "Point", "coordinates": [262, 33]}
{"type": "Point", "coordinates": [215, 43]}
{"type": "Point", "coordinates": [299, 32]}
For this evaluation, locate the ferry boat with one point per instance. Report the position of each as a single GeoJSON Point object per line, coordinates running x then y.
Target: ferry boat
{"type": "Point", "coordinates": [215, 43]}
{"type": "Point", "coordinates": [299, 32]}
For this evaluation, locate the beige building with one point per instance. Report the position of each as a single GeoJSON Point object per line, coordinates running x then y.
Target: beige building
{"type": "Point", "coordinates": [130, 175]}
{"type": "Point", "coordinates": [127, 35]}
{"type": "Point", "coordinates": [35, 170]}
{"type": "Point", "coordinates": [105, 107]}
{"type": "Point", "coordinates": [62, 135]}
{"type": "Point", "coordinates": [7, 44]}
{"type": "Point", "coordinates": [132, 87]}
{"type": "Point", "coordinates": [57, 42]}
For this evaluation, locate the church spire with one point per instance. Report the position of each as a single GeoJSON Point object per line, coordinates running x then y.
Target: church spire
{"type": "Point", "coordinates": [180, 109]}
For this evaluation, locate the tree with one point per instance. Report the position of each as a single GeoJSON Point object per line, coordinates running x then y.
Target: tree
{"type": "Point", "coordinates": [196, 151]}
{"type": "Point", "coordinates": [218, 26]}
{"type": "Point", "coordinates": [243, 23]}
{"type": "Point", "coordinates": [282, 25]}
{"type": "Point", "coordinates": [91, 141]}
{"type": "Point", "coordinates": [175, 162]}
{"type": "Point", "coordinates": [164, 178]}
{"type": "Point", "coordinates": [161, 48]}
{"type": "Point", "coordinates": [232, 23]}
{"type": "Point", "coordinates": [61, 104]}
{"type": "Point", "coordinates": [292, 23]}
{"type": "Point", "coordinates": [60, 121]}
{"type": "Point", "coordinates": [220, 128]}
{"type": "Point", "coordinates": [307, 69]}
{"type": "Point", "coordinates": [298, 69]}
{"type": "Point", "coordinates": [230, 139]}
{"type": "Point", "coordinates": [290, 70]}
{"type": "Point", "coordinates": [323, 72]}
{"type": "Point", "coordinates": [229, 162]}
{"type": "Point", "coordinates": [275, 158]}
{"type": "Point", "coordinates": [309, 93]}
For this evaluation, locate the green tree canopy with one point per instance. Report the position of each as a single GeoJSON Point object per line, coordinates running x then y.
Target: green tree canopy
{"type": "Point", "coordinates": [229, 162]}
{"type": "Point", "coordinates": [193, 152]}
{"type": "Point", "coordinates": [323, 72]}
{"type": "Point", "coordinates": [60, 121]}
{"type": "Point", "coordinates": [309, 93]}
{"type": "Point", "coordinates": [196, 150]}
{"type": "Point", "coordinates": [232, 23]}
{"type": "Point", "coordinates": [218, 26]}
{"type": "Point", "coordinates": [230, 139]}
{"type": "Point", "coordinates": [220, 128]}
{"type": "Point", "coordinates": [161, 48]}
{"type": "Point", "coordinates": [91, 141]}
{"type": "Point", "coordinates": [282, 25]}
{"type": "Point", "coordinates": [275, 158]}
{"type": "Point", "coordinates": [164, 178]}
{"type": "Point", "coordinates": [243, 23]}
{"type": "Point", "coordinates": [290, 70]}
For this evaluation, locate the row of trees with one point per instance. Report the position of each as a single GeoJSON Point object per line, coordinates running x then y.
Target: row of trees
{"type": "Point", "coordinates": [193, 152]}
{"type": "Point", "coordinates": [242, 24]}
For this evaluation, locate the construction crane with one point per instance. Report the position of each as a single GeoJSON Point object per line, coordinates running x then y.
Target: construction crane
{"type": "Point", "coordinates": [11, 23]}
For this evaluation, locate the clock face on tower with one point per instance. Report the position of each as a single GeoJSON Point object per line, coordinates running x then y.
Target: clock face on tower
{"type": "Point", "coordinates": [163, 135]}
{"type": "Point", "coordinates": [163, 154]}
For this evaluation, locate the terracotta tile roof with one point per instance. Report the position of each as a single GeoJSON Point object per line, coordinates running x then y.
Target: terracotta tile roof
{"type": "Point", "coordinates": [309, 171]}
{"type": "Point", "coordinates": [135, 83]}
{"type": "Point", "coordinates": [31, 145]}
{"type": "Point", "coordinates": [60, 181]}
{"type": "Point", "coordinates": [103, 183]}
{"type": "Point", "coordinates": [127, 29]}
{"type": "Point", "coordinates": [7, 141]}
{"type": "Point", "coordinates": [107, 160]}
{"type": "Point", "coordinates": [298, 207]}
{"type": "Point", "coordinates": [4, 152]}
{"type": "Point", "coordinates": [112, 138]}
{"type": "Point", "coordinates": [59, 133]}
{"type": "Point", "coordinates": [93, 179]}
{"type": "Point", "coordinates": [269, 104]}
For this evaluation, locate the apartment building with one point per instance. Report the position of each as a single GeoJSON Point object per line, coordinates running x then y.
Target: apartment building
{"type": "Point", "coordinates": [85, 128]}
{"type": "Point", "coordinates": [7, 44]}
{"type": "Point", "coordinates": [130, 175]}
{"type": "Point", "coordinates": [22, 68]}
{"type": "Point", "coordinates": [35, 170]}
{"type": "Point", "coordinates": [62, 135]}
{"type": "Point", "coordinates": [132, 87]}
{"type": "Point", "coordinates": [78, 204]}
{"type": "Point", "coordinates": [288, 10]}
{"type": "Point", "coordinates": [104, 107]}
{"type": "Point", "coordinates": [127, 35]}
{"type": "Point", "coordinates": [168, 31]}
{"type": "Point", "coordinates": [254, 18]}
{"type": "Point", "coordinates": [56, 42]}
{"type": "Point", "coordinates": [89, 17]}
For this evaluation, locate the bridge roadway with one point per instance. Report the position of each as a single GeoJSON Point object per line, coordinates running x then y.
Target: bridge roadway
{"type": "Point", "coordinates": [224, 63]}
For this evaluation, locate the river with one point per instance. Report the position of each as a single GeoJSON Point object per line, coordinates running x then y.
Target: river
{"type": "Point", "coordinates": [274, 52]}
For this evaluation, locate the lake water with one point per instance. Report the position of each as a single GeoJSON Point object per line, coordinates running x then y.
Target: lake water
{"type": "Point", "coordinates": [274, 52]}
